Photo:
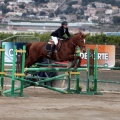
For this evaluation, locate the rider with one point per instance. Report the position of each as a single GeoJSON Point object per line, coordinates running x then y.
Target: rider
{"type": "Point", "coordinates": [63, 29]}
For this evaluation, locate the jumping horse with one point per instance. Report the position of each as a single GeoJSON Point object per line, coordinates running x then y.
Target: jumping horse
{"type": "Point", "coordinates": [36, 51]}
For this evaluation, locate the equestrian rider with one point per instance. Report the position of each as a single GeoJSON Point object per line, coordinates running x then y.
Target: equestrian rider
{"type": "Point", "coordinates": [63, 29]}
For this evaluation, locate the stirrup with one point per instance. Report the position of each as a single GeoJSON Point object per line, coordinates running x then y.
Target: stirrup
{"type": "Point", "coordinates": [49, 54]}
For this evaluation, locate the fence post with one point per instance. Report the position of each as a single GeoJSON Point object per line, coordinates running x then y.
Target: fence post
{"type": "Point", "coordinates": [88, 70]}
{"type": "Point", "coordinates": [95, 69]}
{"type": "Point", "coordinates": [78, 75]}
{"type": "Point", "coordinates": [2, 65]}
{"type": "Point", "coordinates": [13, 71]}
{"type": "Point", "coordinates": [23, 66]}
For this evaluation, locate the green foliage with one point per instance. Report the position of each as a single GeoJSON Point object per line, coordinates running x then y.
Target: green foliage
{"type": "Point", "coordinates": [103, 39]}
{"type": "Point", "coordinates": [5, 35]}
{"type": "Point", "coordinates": [114, 40]}
{"type": "Point", "coordinates": [96, 39]}
{"type": "Point", "coordinates": [43, 37]}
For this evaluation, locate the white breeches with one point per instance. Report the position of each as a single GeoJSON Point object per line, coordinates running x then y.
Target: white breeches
{"type": "Point", "coordinates": [55, 39]}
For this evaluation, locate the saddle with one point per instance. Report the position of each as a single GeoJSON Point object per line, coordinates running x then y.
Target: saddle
{"type": "Point", "coordinates": [49, 44]}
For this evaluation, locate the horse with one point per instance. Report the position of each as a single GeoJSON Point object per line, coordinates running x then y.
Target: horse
{"type": "Point", "coordinates": [36, 51]}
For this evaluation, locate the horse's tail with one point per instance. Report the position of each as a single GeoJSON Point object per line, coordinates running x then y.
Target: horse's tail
{"type": "Point", "coordinates": [27, 48]}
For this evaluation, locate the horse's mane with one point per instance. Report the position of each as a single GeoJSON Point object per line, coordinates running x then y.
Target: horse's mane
{"type": "Point", "coordinates": [79, 33]}
{"type": "Point", "coordinates": [73, 37]}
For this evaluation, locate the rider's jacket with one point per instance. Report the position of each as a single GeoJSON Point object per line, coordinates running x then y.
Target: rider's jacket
{"type": "Point", "coordinates": [60, 32]}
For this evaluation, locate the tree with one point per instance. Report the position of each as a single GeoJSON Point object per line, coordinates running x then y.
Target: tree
{"type": "Point", "coordinates": [93, 5]}
{"type": "Point", "coordinates": [22, 5]}
{"type": "Point", "coordinates": [41, 1]}
{"type": "Point", "coordinates": [72, 3]}
{"type": "Point", "coordinates": [5, 10]}
{"type": "Point", "coordinates": [70, 10]}
{"type": "Point", "coordinates": [63, 18]}
{"type": "Point", "coordinates": [82, 12]}
{"type": "Point", "coordinates": [24, 15]}
{"type": "Point", "coordinates": [51, 14]}
{"type": "Point", "coordinates": [42, 13]}
{"type": "Point", "coordinates": [116, 19]}
{"type": "Point", "coordinates": [58, 12]}
{"type": "Point", "coordinates": [6, 1]}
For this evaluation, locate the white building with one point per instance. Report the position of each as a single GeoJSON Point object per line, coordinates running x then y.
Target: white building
{"type": "Point", "coordinates": [109, 11]}
{"type": "Point", "coordinates": [93, 18]}
{"type": "Point", "coordinates": [100, 5]}
{"type": "Point", "coordinates": [25, 1]}
{"type": "Point", "coordinates": [12, 14]}
{"type": "Point", "coordinates": [105, 20]}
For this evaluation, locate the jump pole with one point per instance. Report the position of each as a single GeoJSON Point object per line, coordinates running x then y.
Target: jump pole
{"type": "Point", "coordinates": [42, 69]}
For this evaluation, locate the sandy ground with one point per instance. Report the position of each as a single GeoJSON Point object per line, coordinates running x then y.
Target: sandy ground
{"type": "Point", "coordinates": [44, 104]}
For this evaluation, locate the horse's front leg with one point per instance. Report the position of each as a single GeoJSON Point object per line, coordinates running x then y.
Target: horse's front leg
{"type": "Point", "coordinates": [73, 61]}
{"type": "Point", "coordinates": [77, 62]}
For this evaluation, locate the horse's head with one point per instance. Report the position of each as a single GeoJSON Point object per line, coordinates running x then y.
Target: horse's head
{"type": "Point", "coordinates": [81, 41]}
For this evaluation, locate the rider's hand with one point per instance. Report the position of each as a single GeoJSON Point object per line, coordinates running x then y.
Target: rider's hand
{"type": "Point", "coordinates": [67, 38]}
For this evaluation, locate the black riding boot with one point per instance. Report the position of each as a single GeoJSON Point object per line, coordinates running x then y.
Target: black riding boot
{"type": "Point", "coordinates": [52, 50]}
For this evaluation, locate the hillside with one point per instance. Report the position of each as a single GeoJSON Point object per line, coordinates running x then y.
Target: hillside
{"type": "Point", "coordinates": [103, 12]}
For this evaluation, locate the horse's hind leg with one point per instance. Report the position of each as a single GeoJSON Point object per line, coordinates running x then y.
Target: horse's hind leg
{"type": "Point", "coordinates": [29, 61]}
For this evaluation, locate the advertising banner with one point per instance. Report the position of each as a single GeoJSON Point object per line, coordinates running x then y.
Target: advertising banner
{"type": "Point", "coordinates": [9, 49]}
{"type": "Point", "coordinates": [106, 55]}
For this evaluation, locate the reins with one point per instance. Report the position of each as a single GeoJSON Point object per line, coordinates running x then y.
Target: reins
{"type": "Point", "coordinates": [73, 43]}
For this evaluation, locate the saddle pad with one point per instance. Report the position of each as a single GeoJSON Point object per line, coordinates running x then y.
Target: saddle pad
{"type": "Point", "coordinates": [48, 47]}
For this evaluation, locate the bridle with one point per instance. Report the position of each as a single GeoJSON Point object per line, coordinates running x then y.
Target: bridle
{"type": "Point", "coordinates": [77, 42]}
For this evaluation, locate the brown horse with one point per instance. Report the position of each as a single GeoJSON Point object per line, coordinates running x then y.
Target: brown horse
{"type": "Point", "coordinates": [36, 51]}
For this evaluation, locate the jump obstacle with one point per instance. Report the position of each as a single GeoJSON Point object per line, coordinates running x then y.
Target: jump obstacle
{"type": "Point", "coordinates": [91, 70]}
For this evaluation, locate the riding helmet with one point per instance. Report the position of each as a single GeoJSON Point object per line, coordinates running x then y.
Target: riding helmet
{"type": "Point", "coordinates": [64, 23]}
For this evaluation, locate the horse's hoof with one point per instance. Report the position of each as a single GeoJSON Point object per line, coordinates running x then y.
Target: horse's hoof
{"type": "Point", "coordinates": [26, 73]}
{"type": "Point", "coordinates": [75, 68]}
